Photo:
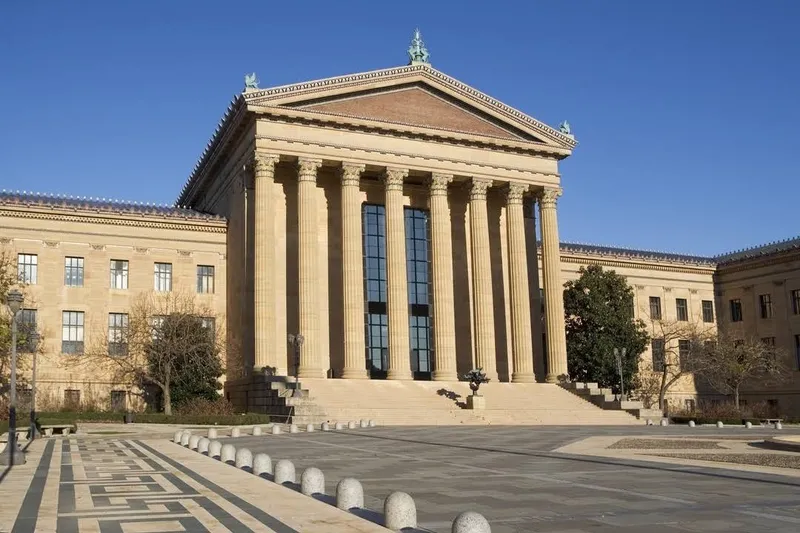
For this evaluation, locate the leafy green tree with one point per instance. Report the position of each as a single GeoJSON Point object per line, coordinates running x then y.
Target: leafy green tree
{"type": "Point", "coordinates": [599, 317]}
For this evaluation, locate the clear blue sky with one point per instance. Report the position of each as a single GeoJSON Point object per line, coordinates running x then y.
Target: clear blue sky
{"type": "Point", "coordinates": [686, 111]}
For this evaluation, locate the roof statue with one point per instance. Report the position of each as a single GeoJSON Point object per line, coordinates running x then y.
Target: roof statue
{"type": "Point", "coordinates": [417, 52]}
{"type": "Point", "coordinates": [564, 128]}
{"type": "Point", "coordinates": [250, 81]}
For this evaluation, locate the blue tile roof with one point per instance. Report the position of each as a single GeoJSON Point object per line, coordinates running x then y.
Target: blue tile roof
{"type": "Point", "coordinates": [758, 251]}
{"type": "Point", "coordinates": [641, 254]}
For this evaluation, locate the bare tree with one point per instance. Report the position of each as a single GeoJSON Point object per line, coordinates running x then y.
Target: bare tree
{"type": "Point", "coordinates": [166, 340]}
{"type": "Point", "coordinates": [734, 361]}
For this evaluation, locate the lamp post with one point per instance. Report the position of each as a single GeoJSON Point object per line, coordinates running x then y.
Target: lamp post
{"type": "Point", "coordinates": [296, 341]}
{"type": "Point", "coordinates": [619, 356]}
{"type": "Point", "coordinates": [15, 456]}
{"type": "Point", "coordinates": [33, 340]}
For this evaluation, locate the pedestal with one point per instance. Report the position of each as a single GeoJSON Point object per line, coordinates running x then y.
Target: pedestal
{"type": "Point", "coordinates": [17, 459]}
{"type": "Point", "coordinates": [476, 402]}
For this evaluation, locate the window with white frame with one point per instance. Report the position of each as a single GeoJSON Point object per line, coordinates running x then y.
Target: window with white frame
{"type": "Point", "coordinates": [27, 267]}
{"type": "Point", "coordinates": [205, 279]}
{"type": "Point", "coordinates": [73, 271]}
{"type": "Point", "coordinates": [72, 332]}
{"type": "Point", "coordinates": [162, 277]}
{"type": "Point", "coordinates": [119, 274]}
{"type": "Point", "coordinates": [117, 334]}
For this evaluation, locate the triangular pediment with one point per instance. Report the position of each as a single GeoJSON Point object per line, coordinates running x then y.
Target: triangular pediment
{"type": "Point", "coordinates": [417, 96]}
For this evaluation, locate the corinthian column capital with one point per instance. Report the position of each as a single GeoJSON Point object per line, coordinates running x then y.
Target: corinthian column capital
{"type": "Point", "coordinates": [394, 177]}
{"type": "Point", "coordinates": [307, 169]}
{"type": "Point", "coordinates": [439, 183]}
{"type": "Point", "coordinates": [351, 174]}
{"type": "Point", "coordinates": [548, 197]}
{"type": "Point", "coordinates": [478, 188]}
{"type": "Point", "coordinates": [264, 164]}
{"type": "Point", "coordinates": [515, 192]}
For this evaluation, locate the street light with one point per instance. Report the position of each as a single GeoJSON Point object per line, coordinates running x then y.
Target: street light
{"type": "Point", "coordinates": [619, 357]}
{"type": "Point", "coordinates": [33, 340]}
{"type": "Point", "coordinates": [296, 341]}
{"type": "Point", "coordinates": [15, 456]}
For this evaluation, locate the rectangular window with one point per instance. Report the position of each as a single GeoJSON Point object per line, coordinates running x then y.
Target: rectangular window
{"type": "Point", "coordinates": [119, 274]}
{"type": "Point", "coordinates": [72, 332]}
{"type": "Point", "coordinates": [26, 326]}
{"type": "Point", "coordinates": [655, 308]}
{"type": "Point", "coordinates": [769, 341]}
{"type": "Point", "coordinates": [708, 311]}
{"type": "Point", "coordinates": [205, 279]}
{"type": "Point", "coordinates": [163, 277]}
{"type": "Point", "coordinates": [119, 400]}
{"type": "Point", "coordinates": [689, 405]}
{"type": "Point", "coordinates": [376, 327]}
{"type": "Point", "coordinates": [765, 303]}
{"type": "Point", "coordinates": [117, 334]}
{"type": "Point", "coordinates": [736, 310]}
{"type": "Point", "coordinates": [682, 309]}
{"type": "Point", "coordinates": [27, 268]}
{"type": "Point", "coordinates": [209, 323]}
{"type": "Point", "coordinates": [796, 302]}
{"type": "Point", "coordinates": [72, 399]}
{"type": "Point", "coordinates": [657, 348]}
{"type": "Point", "coordinates": [684, 351]}
{"type": "Point", "coordinates": [418, 275]}
{"type": "Point", "coordinates": [73, 271]}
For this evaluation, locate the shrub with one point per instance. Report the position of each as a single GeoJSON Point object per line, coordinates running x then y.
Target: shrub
{"type": "Point", "coordinates": [708, 413]}
{"type": "Point", "coordinates": [204, 406]}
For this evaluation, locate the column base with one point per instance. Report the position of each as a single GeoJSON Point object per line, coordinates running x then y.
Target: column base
{"type": "Point", "coordinates": [444, 375]}
{"type": "Point", "coordinates": [399, 375]}
{"type": "Point", "coordinates": [353, 373]}
{"type": "Point", "coordinates": [18, 458]}
{"type": "Point", "coordinates": [551, 378]}
{"type": "Point", "coordinates": [523, 378]}
{"type": "Point", "coordinates": [312, 373]}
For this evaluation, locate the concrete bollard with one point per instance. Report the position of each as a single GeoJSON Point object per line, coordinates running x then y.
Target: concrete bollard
{"type": "Point", "coordinates": [339, 426]}
{"type": "Point", "coordinates": [325, 426]}
{"type": "Point", "coordinates": [778, 425]}
{"type": "Point", "coordinates": [748, 424]}
{"type": "Point", "coordinates": [351, 425]}
{"type": "Point", "coordinates": [276, 430]}
{"type": "Point", "coordinates": [664, 422]}
{"type": "Point", "coordinates": [177, 437]}
{"type": "Point", "coordinates": [649, 422]}
{"type": "Point", "coordinates": [48, 432]}
{"type": "Point", "coordinates": [372, 423]}
{"type": "Point", "coordinates": [471, 522]}
{"type": "Point", "coordinates": [294, 429]}
{"type": "Point", "coordinates": [691, 423]}
{"type": "Point", "coordinates": [65, 432]}
{"type": "Point", "coordinates": [399, 511]}
{"type": "Point", "coordinates": [284, 472]}
{"type": "Point", "coordinates": [257, 431]}
{"type": "Point", "coordinates": [349, 494]}
{"type": "Point", "coordinates": [215, 449]}
{"type": "Point", "coordinates": [236, 433]}
{"type": "Point", "coordinates": [243, 458]}
{"type": "Point", "coordinates": [193, 440]}
{"type": "Point", "coordinates": [202, 445]}
{"type": "Point", "coordinates": [312, 481]}
{"type": "Point", "coordinates": [212, 433]}
{"type": "Point", "coordinates": [262, 464]}
{"type": "Point", "coordinates": [228, 453]}
{"type": "Point", "coordinates": [364, 424]}
{"type": "Point", "coordinates": [720, 424]}
{"type": "Point", "coordinates": [309, 428]}
{"type": "Point", "coordinates": [185, 437]}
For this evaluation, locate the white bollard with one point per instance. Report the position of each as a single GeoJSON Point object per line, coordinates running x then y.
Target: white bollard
{"type": "Point", "coordinates": [720, 424]}
{"type": "Point", "coordinates": [471, 522]}
{"type": "Point", "coordinates": [372, 423]}
{"type": "Point", "coordinates": [691, 423]}
{"type": "Point", "coordinates": [312, 481]}
{"type": "Point", "coordinates": [284, 472]}
{"type": "Point", "coordinates": [236, 433]}
{"type": "Point", "coordinates": [228, 453]}
{"type": "Point", "coordinates": [664, 422]}
{"type": "Point", "coordinates": [748, 424]}
{"type": "Point", "coordinates": [202, 445]}
{"type": "Point", "coordinates": [399, 511]}
{"type": "Point", "coordinates": [778, 425]}
{"type": "Point", "coordinates": [364, 424]}
{"type": "Point", "coordinates": [649, 422]}
{"type": "Point", "coordinates": [257, 431]}
{"type": "Point", "coordinates": [349, 494]}
{"type": "Point", "coordinates": [177, 437]}
{"type": "Point", "coordinates": [214, 449]}
{"type": "Point", "coordinates": [262, 464]}
{"type": "Point", "coordinates": [339, 426]}
{"type": "Point", "coordinates": [193, 440]}
{"type": "Point", "coordinates": [351, 425]}
{"type": "Point", "coordinates": [294, 429]}
{"type": "Point", "coordinates": [243, 458]}
{"type": "Point", "coordinates": [309, 428]}
{"type": "Point", "coordinates": [276, 430]}
{"type": "Point", "coordinates": [325, 426]}
{"type": "Point", "coordinates": [212, 433]}
{"type": "Point", "coordinates": [185, 437]}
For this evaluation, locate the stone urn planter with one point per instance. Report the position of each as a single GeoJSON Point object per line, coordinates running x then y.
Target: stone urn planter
{"type": "Point", "coordinates": [476, 378]}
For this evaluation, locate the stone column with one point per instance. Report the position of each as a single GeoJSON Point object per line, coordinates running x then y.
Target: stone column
{"type": "Point", "coordinates": [444, 328]}
{"type": "Point", "coordinates": [521, 342]}
{"type": "Point", "coordinates": [397, 276]}
{"type": "Point", "coordinates": [308, 256]}
{"type": "Point", "coordinates": [264, 238]}
{"type": "Point", "coordinates": [482, 299]}
{"type": "Point", "coordinates": [553, 287]}
{"type": "Point", "coordinates": [355, 366]}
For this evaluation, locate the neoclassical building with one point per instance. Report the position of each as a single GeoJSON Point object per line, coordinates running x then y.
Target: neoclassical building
{"type": "Point", "coordinates": [404, 223]}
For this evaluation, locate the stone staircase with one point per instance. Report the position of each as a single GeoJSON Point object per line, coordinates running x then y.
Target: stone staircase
{"type": "Point", "coordinates": [605, 399]}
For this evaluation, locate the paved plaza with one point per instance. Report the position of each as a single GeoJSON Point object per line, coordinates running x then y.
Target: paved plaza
{"type": "Point", "coordinates": [541, 479]}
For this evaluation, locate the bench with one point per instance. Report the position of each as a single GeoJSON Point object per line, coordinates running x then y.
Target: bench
{"type": "Point", "coordinates": [768, 421]}
{"type": "Point", "coordinates": [48, 429]}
